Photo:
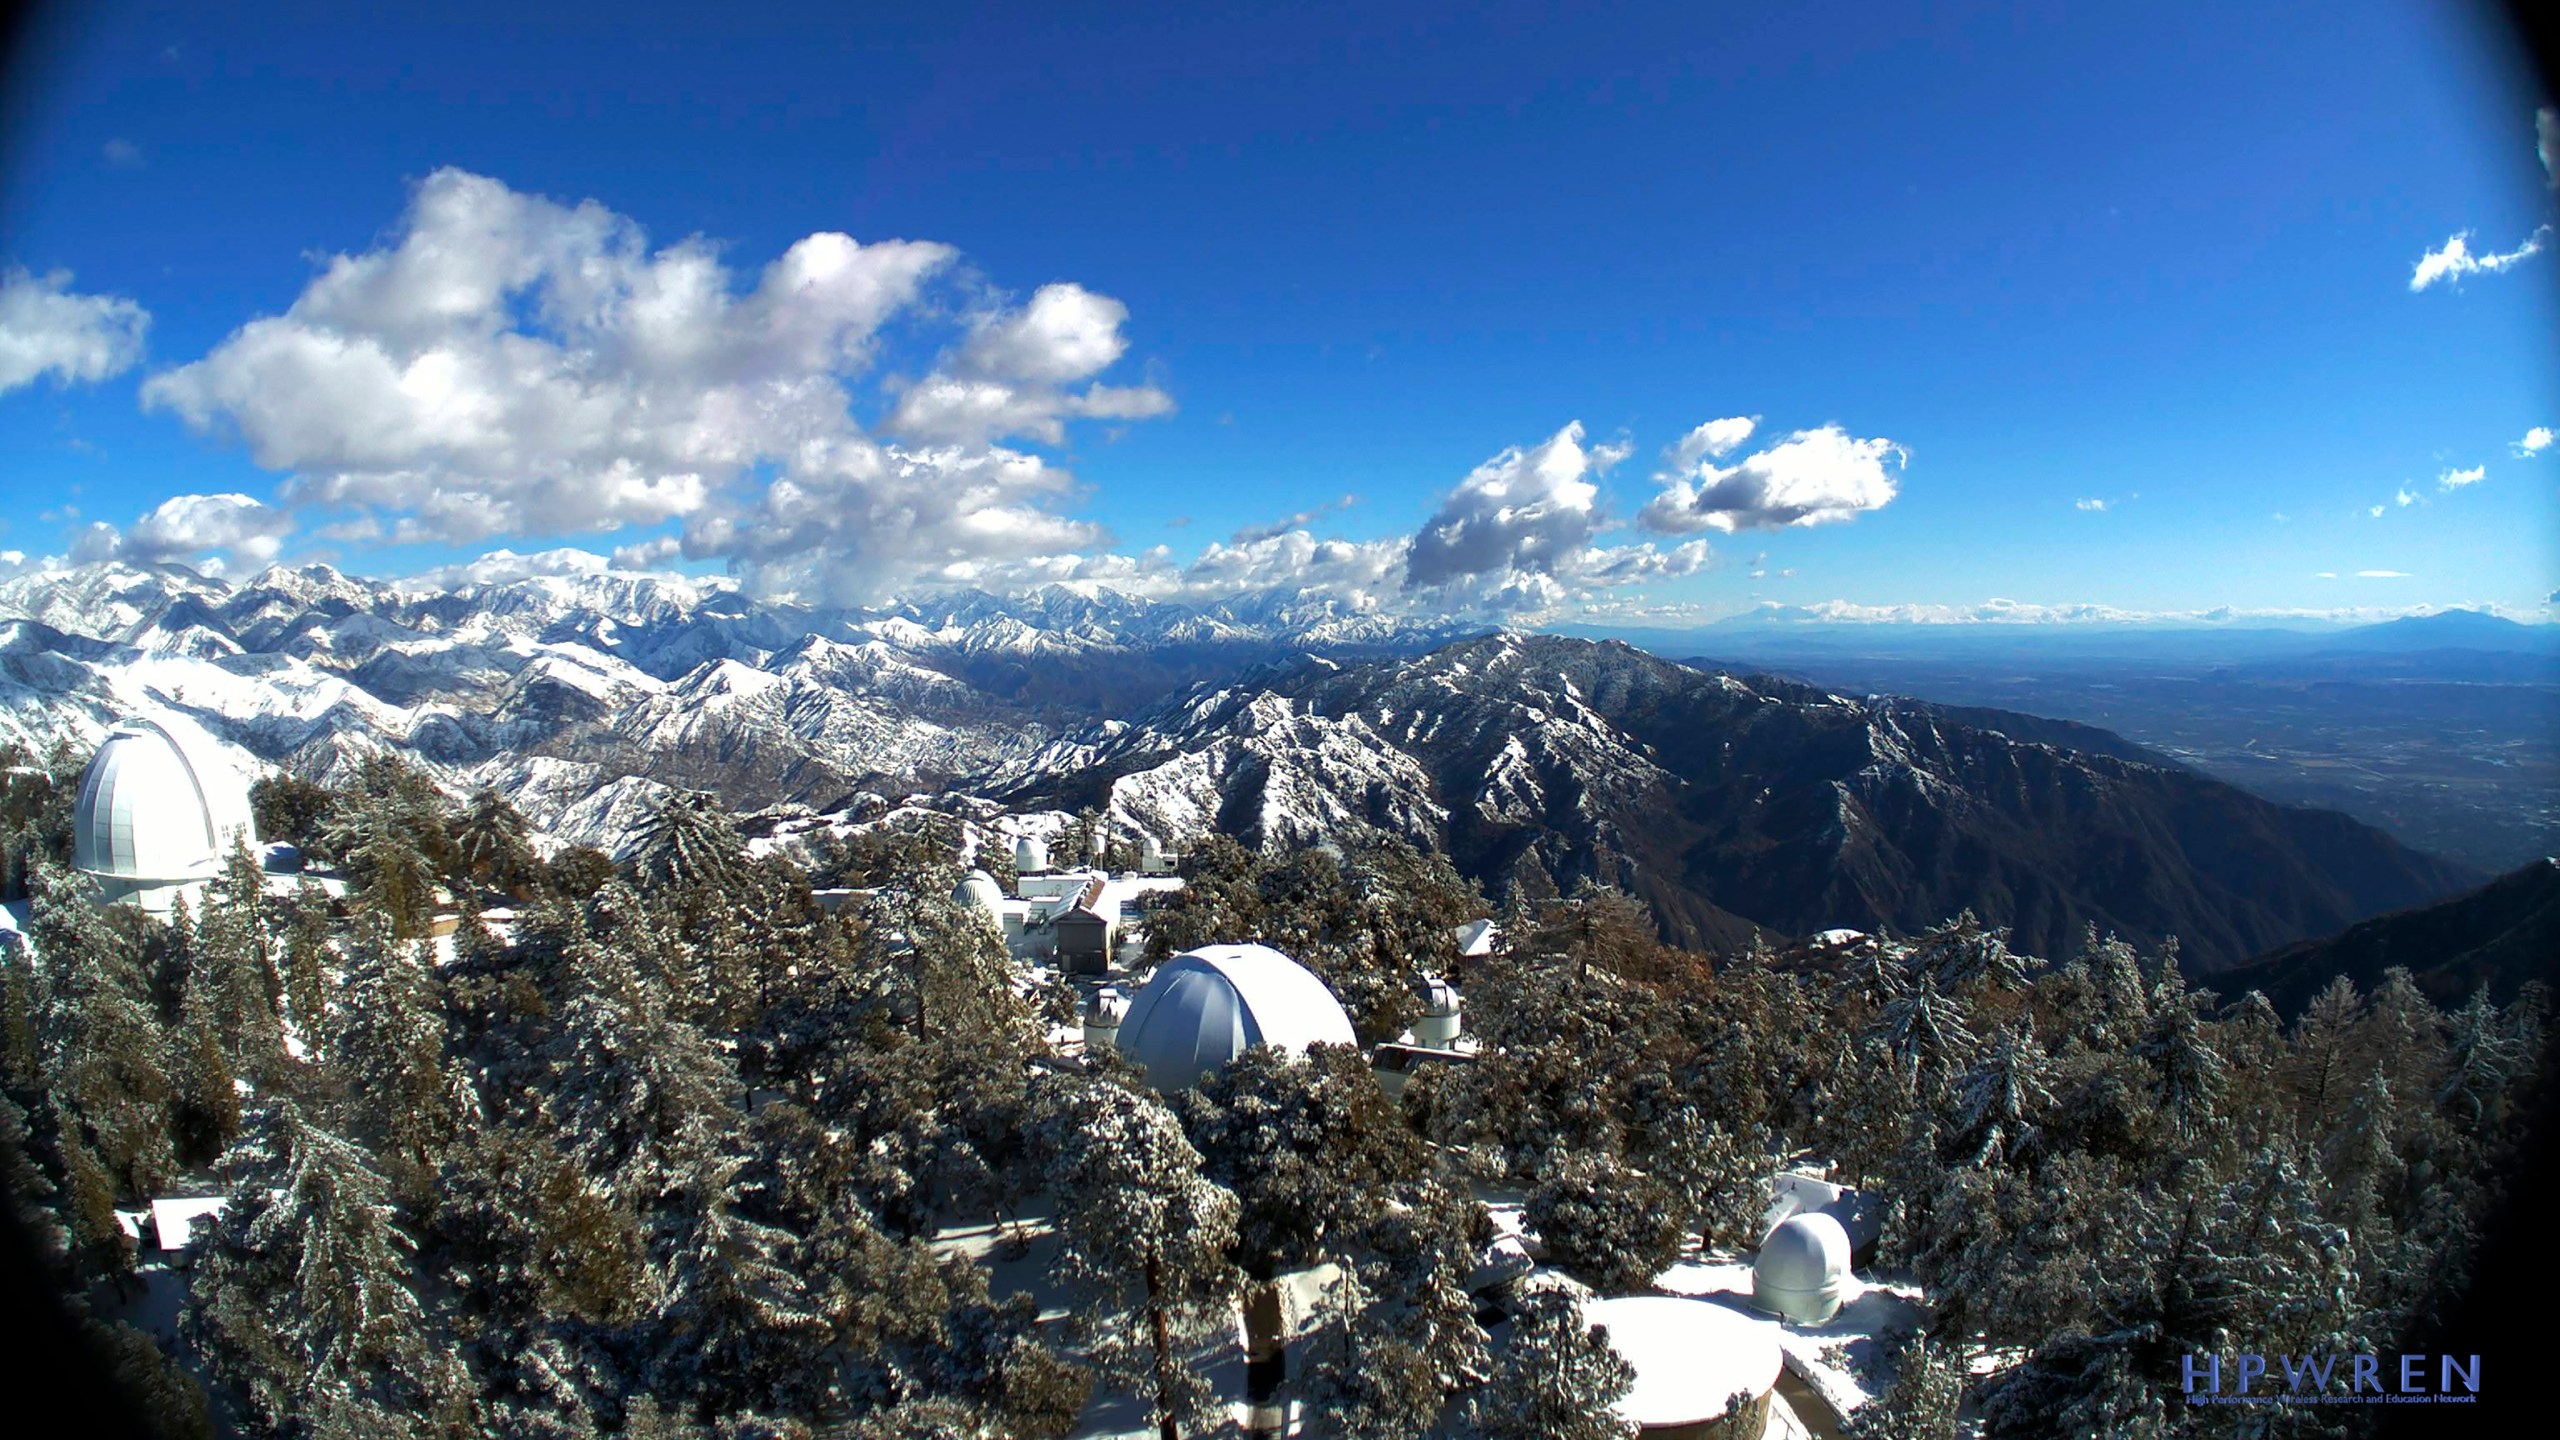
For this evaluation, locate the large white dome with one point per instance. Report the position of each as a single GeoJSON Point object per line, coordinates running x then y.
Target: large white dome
{"type": "Point", "coordinates": [157, 807]}
{"type": "Point", "coordinates": [1205, 1007]}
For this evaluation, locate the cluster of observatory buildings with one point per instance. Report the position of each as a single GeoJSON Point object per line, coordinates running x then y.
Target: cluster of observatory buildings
{"type": "Point", "coordinates": [160, 811]}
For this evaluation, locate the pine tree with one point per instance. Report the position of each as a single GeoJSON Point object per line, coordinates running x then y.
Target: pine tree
{"type": "Point", "coordinates": [1143, 1244]}
{"type": "Point", "coordinates": [1363, 1381]}
{"type": "Point", "coordinates": [305, 1306]}
{"type": "Point", "coordinates": [490, 842]}
{"type": "Point", "coordinates": [1606, 1225]}
{"type": "Point", "coordinates": [1921, 1403]}
{"type": "Point", "coordinates": [1556, 1379]}
{"type": "Point", "coordinates": [388, 1044]}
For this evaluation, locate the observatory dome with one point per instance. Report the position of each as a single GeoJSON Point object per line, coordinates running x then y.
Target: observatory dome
{"type": "Point", "coordinates": [1030, 853]}
{"type": "Point", "coordinates": [1205, 1007]}
{"type": "Point", "coordinates": [157, 815]}
{"type": "Point", "coordinates": [978, 891]}
{"type": "Point", "coordinates": [1802, 1267]}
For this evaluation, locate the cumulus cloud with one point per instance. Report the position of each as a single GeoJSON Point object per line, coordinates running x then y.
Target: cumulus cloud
{"type": "Point", "coordinates": [1523, 513]}
{"type": "Point", "coordinates": [510, 365]}
{"type": "Point", "coordinates": [1711, 441]}
{"type": "Point", "coordinates": [2537, 439]}
{"type": "Point", "coordinates": [1012, 376]}
{"type": "Point", "coordinates": [46, 328]}
{"type": "Point", "coordinates": [1813, 477]}
{"type": "Point", "coordinates": [2089, 504]}
{"type": "Point", "coordinates": [2404, 497]}
{"type": "Point", "coordinates": [207, 531]}
{"type": "Point", "coordinates": [2453, 479]}
{"type": "Point", "coordinates": [2453, 260]}
{"type": "Point", "coordinates": [2376, 511]}
{"type": "Point", "coordinates": [500, 566]}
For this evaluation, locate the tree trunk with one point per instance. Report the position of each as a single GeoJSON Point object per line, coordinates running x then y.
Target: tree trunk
{"type": "Point", "coordinates": [1266, 1361]}
{"type": "Point", "coordinates": [1164, 1350]}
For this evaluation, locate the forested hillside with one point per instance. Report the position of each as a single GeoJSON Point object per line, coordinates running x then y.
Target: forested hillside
{"type": "Point", "coordinates": [669, 1150]}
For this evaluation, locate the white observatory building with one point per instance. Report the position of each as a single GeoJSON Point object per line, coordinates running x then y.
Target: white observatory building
{"type": "Point", "coordinates": [158, 813]}
{"type": "Point", "coordinates": [1205, 1007]}
{"type": "Point", "coordinates": [1802, 1270]}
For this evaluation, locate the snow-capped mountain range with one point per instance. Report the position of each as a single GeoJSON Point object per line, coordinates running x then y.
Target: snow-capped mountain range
{"type": "Point", "coordinates": [1728, 803]}
{"type": "Point", "coordinates": [579, 695]}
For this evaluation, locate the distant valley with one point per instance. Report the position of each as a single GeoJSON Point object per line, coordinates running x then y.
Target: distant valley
{"type": "Point", "coordinates": [2445, 733]}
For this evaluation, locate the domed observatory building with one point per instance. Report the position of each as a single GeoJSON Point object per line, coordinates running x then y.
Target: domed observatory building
{"type": "Point", "coordinates": [1030, 855]}
{"type": "Point", "coordinates": [1802, 1269]}
{"type": "Point", "coordinates": [978, 892]}
{"type": "Point", "coordinates": [1205, 1007]}
{"type": "Point", "coordinates": [157, 816]}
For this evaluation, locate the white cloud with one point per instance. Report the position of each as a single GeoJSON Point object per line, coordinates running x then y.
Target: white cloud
{"type": "Point", "coordinates": [1812, 477]}
{"type": "Point", "coordinates": [2546, 142]}
{"type": "Point", "coordinates": [1711, 441]}
{"type": "Point", "coordinates": [2537, 439]}
{"type": "Point", "coordinates": [2382, 574]}
{"type": "Point", "coordinates": [1010, 377]}
{"type": "Point", "coordinates": [2453, 259]}
{"type": "Point", "coordinates": [2453, 479]}
{"type": "Point", "coordinates": [47, 329]}
{"type": "Point", "coordinates": [508, 365]}
{"type": "Point", "coordinates": [1523, 512]}
{"type": "Point", "coordinates": [501, 566]}
{"type": "Point", "coordinates": [2088, 504]}
{"type": "Point", "coordinates": [2404, 497]}
{"type": "Point", "coordinates": [189, 529]}
{"type": "Point", "coordinates": [2325, 575]}
{"type": "Point", "coordinates": [2376, 511]}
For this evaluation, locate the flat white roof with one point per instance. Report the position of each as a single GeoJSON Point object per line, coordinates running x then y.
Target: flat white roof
{"type": "Point", "coordinates": [1690, 1356]}
{"type": "Point", "coordinates": [173, 1221]}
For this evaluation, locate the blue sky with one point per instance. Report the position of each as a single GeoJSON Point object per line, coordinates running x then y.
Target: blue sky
{"type": "Point", "coordinates": [1187, 279]}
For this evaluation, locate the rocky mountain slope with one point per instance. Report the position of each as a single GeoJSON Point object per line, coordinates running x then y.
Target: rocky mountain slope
{"type": "Point", "coordinates": [2500, 935]}
{"type": "Point", "coordinates": [581, 694]}
{"type": "Point", "coordinates": [1728, 802]}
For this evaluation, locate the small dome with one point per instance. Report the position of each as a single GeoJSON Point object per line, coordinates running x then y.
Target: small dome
{"type": "Point", "coordinates": [978, 891]}
{"type": "Point", "coordinates": [1439, 998]}
{"type": "Point", "coordinates": [1205, 1007]}
{"type": "Point", "coordinates": [1106, 1007]}
{"type": "Point", "coordinates": [1030, 853]}
{"type": "Point", "coordinates": [1802, 1267]}
{"type": "Point", "coordinates": [156, 808]}
{"type": "Point", "coordinates": [1151, 853]}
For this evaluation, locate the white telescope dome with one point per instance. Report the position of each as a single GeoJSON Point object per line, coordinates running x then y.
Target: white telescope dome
{"type": "Point", "coordinates": [978, 891]}
{"type": "Point", "coordinates": [158, 812]}
{"type": "Point", "coordinates": [1802, 1267]}
{"type": "Point", "coordinates": [1205, 1007]}
{"type": "Point", "coordinates": [1030, 853]}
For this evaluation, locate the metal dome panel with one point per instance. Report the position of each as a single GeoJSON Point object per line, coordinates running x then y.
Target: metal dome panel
{"type": "Point", "coordinates": [1205, 1007]}
{"type": "Point", "coordinates": [157, 808]}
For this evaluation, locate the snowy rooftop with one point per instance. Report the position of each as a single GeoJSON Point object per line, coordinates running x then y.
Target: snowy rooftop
{"type": "Point", "coordinates": [173, 1220]}
{"type": "Point", "coordinates": [1690, 1357]}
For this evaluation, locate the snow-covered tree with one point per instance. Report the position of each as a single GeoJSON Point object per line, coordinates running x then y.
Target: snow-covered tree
{"type": "Point", "coordinates": [1143, 1245]}
{"type": "Point", "coordinates": [1556, 1379]}
{"type": "Point", "coordinates": [1607, 1225]}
